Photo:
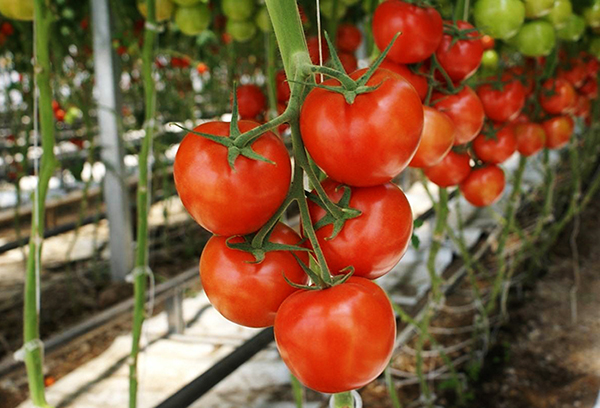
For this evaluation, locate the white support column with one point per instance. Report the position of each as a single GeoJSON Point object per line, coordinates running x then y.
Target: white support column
{"type": "Point", "coordinates": [116, 194]}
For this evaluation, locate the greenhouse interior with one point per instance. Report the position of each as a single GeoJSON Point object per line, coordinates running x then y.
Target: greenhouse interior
{"type": "Point", "coordinates": [299, 203]}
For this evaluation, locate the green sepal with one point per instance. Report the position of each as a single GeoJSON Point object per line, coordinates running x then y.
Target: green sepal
{"type": "Point", "coordinates": [362, 81]}
{"type": "Point", "coordinates": [260, 253]}
{"type": "Point", "coordinates": [338, 224]}
{"type": "Point", "coordinates": [315, 277]}
{"type": "Point", "coordinates": [335, 59]}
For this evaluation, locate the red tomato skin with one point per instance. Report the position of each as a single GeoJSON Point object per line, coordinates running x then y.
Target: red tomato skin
{"type": "Point", "coordinates": [421, 28]}
{"type": "Point", "coordinates": [418, 82]}
{"type": "Point", "coordinates": [437, 138]}
{"type": "Point", "coordinates": [488, 42]}
{"type": "Point", "coordinates": [386, 224]}
{"type": "Point", "coordinates": [248, 293]}
{"type": "Point", "coordinates": [348, 61]}
{"type": "Point", "coordinates": [283, 87]}
{"type": "Point", "coordinates": [583, 106]}
{"type": "Point", "coordinates": [502, 105]}
{"type": "Point", "coordinates": [484, 186]}
{"type": "Point", "coordinates": [590, 88]}
{"type": "Point", "coordinates": [251, 101]}
{"type": "Point", "coordinates": [354, 327]}
{"type": "Point", "coordinates": [464, 57]}
{"type": "Point", "coordinates": [313, 49]}
{"type": "Point", "coordinates": [531, 138]}
{"type": "Point", "coordinates": [224, 201]}
{"type": "Point", "coordinates": [563, 99]}
{"type": "Point", "coordinates": [451, 171]}
{"type": "Point", "coordinates": [576, 75]}
{"type": "Point", "coordinates": [496, 151]}
{"type": "Point", "coordinates": [466, 111]}
{"type": "Point", "coordinates": [558, 131]}
{"type": "Point", "coordinates": [348, 38]}
{"type": "Point", "coordinates": [370, 141]}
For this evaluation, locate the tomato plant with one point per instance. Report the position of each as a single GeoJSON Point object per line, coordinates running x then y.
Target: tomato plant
{"type": "Point", "coordinates": [558, 131]}
{"type": "Point", "coordinates": [575, 75]}
{"type": "Point", "coordinates": [437, 138]}
{"type": "Point", "coordinates": [230, 201]}
{"type": "Point", "coordinates": [246, 292]}
{"type": "Point", "coordinates": [531, 138]}
{"type": "Point", "coordinates": [421, 29]}
{"type": "Point", "coordinates": [466, 111]}
{"type": "Point", "coordinates": [499, 18]}
{"type": "Point", "coordinates": [451, 171]}
{"type": "Point", "coordinates": [557, 96]}
{"type": "Point", "coordinates": [348, 38]}
{"type": "Point", "coordinates": [419, 82]}
{"type": "Point", "coordinates": [460, 59]}
{"type": "Point", "coordinates": [385, 228]}
{"type": "Point", "coordinates": [502, 104]}
{"type": "Point", "coordinates": [366, 142]}
{"type": "Point", "coordinates": [483, 186]}
{"type": "Point", "coordinates": [251, 101]}
{"type": "Point", "coordinates": [351, 325]}
{"type": "Point", "coordinates": [496, 148]}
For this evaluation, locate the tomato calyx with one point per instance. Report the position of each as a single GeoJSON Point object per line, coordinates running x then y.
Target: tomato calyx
{"type": "Point", "coordinates": [319, 279]}
{"type": "Point", "coordinates": [258, 251]}
{"type": "Point", "coordinates": [329, 219]}
{"type": "Point", "coordinates": [238, 143]}
{"type": "Point", "coordinates": [460, 34]}
{"type": "Point", "coordinates": [349, 88]}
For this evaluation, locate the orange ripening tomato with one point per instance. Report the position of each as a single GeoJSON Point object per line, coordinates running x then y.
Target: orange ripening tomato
{"type": "Point", "coordinates": [484, 186]}
{"type": "Point", "coordinates": [437, 139]}
{"type": "Point", "coordinates": [451, 171]}
{"type": "Point", "coordinates": [531, 138]}
{"type": "Point", "coordinates": [558, 131]}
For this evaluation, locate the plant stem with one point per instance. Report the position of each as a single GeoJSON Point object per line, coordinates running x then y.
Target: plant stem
{"type": "Point", "coordinates": [271, 47]}
{"type": "Point", "coordinates": [141, 256]}
{"type": "Point", "coordinates": [343, 400]}
{"type": "Point", "coordinates": [511, 210]}
{"type": "Point", "coordinates": [31, 332]}
{"type": "Point", "coordinates": [297, 391]}
{"type": "Point", "coordinates": [441, 211]}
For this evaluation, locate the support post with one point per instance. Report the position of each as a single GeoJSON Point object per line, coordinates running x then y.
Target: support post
{"type": "Point", "coordinates": [116, 194]}
{"type": "Point", "coordinates": [174, 307]}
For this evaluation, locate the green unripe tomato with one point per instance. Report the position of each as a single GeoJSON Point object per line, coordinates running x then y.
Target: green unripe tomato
{"type": "Point", "coordinates": [164, 9]}
{"type": "Point", "coordinates": [537, 8]}
{"type": "Point", "coordinates": [65, 31]}
{"type": "Point", "coordinates": [192, 20]}
{"type": "Point", "coordinates": [17, 9]}
{"type": "Point", "coordinates": [263, 21]}
{"type": "Point", "coordinates": [592, 15]}
{"type": "Point", "coordinates": [490, 59]}
{"type": "Point", "coordinates": [573, 29]}
{"type": "Point", "coordinates": [238, 10]}
{"type": "Point", "coordinates": [500, 19]}
{"type": "Point", "coordinates": [186, 3]}
{"type": "Point", "coordinates": [595, 47]}
{"type": "Point", "coordinates": [536, 39]}
{"type": "Point", "coordinates": [327, 9]}
{"type": "Point", "coordinates": [68, 13]}
{"type": "Point", "coordinates": [241, 31]}
{"type": "Point", "coordinates": [560, 13]}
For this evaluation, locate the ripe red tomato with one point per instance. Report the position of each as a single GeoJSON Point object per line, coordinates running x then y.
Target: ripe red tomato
{"type": "Point", "coordinates": [55, 105]}
{"type": "Point", "coordinates": [201, 68]}
{"type": "Point", "coordinates": [498, 150]}
{"type": "Point", "coordinates": [224, 201]}
{"type": "Point", "coordinates": [466, 111]}
{"type": "Point", "coordinates": [313, 49]}
{"type": "Point", "coordinates": [421, 28]}
{"type": "Point", "coordinates": [348, 61]}
{"type": "Point", "coordinates": [385, 227]}
{"type": "Point", "coordinates": [558, 131]}
{"type": "Point", "coordinates": [484, 186]}
{"type": "Point", "coordinates": [370, 141]}
{"type": "Point", "coordinates": [451, 171]}
{"type": "Point", "coordinates": [525, 76]}
{"type": "Point", "coordinates": [59, 115]}
{"type": "Point", "coordinates": [460, 59]}
{"type": "Point", "coordinates": [283, 87]}
{"type": "Point", "coordinates": [354, 327]}
{"type": "Point", "coordinates": [437, 138]}
{"type": "Point", "coordinates": [563, 98]}
{"type": "Point", "coordinates": [419, 82]}
{"type": "Point", "coordinates": [590, 88]}
{"type": "Point", "coordinates": [531, 138]}
{"type": "Point", "coordinates": [502, 105]}
{"type": "Point", "coordinates": [583, 106]}
{"type": "Point", "coordinates": [348, 38]}
{"type": "Point", "coordinates": [251, 101]}
{"type": "Point", "coordinates": [488, 42]}
{"type": "Point", "coordinates": [592, 66]}
{"type": "Point", "coordinates": [575, 75]}
{"type": "Point", "coordinates": [245, 292]}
